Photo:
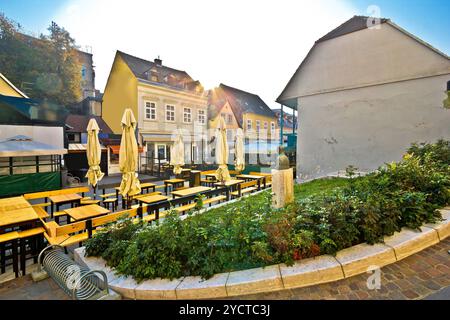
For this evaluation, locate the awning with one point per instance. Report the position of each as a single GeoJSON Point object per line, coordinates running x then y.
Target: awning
{"type": "Point", "coordinates": [23, 146]}
{"type": "Point", "coordinates": [80, 147]}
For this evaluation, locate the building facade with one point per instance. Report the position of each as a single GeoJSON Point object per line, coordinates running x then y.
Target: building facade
{"type": "Point", "coordinates": [245, 110]}
{"type": "Point", "coordinates": [163, 101]}
{"type": "Point", "coordinates": [364, 94]}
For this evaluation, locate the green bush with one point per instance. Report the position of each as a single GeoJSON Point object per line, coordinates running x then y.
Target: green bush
{"type": "Point", "coordinates": [328, 215]}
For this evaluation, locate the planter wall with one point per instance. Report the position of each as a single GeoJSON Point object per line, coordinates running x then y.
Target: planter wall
{"type": "Point", "coordinates": [347, 263]}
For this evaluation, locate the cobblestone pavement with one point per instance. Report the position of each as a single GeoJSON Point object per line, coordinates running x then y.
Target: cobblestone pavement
{"type": "Point", "coordinates": [425, 274]}
{"type": "Point", "coordinates": [415, 277]}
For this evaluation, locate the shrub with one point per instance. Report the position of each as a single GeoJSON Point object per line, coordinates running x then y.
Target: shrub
{"type": "Point", "coordinates": [327, 216]}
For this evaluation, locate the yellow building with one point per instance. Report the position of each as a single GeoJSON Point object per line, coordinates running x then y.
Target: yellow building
{"type": "Point", "coordinates": [163, 100]}
{"type": "Point", "coordinates": [8, 89]}
{"type": "Point", "coordinates": [244, 110]}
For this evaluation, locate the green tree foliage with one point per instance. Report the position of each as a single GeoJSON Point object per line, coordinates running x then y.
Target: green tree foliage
{"type": "Point", "coordinates": [46, 67]}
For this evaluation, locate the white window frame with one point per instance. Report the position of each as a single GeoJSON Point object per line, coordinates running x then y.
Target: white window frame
{"type": "Point", "coordinates": [201, 116]}
{"type": "Point", "coordinates": [249, 124]}
{"type": "Point", "coordinates": [258, 125]}
{"type": "Point", "coordinates": [266, 126]}
{"type": "Point", "coordinates": [272, 127]}
{"type": "Point", "coordinates": [187, 114]}
{"type": "Point", "coordinates": [150, 108]}
{"type": "Point", "coordinates": [171, 111]}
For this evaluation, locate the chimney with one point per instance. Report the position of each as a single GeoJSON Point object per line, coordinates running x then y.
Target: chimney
{"type": "Point", "coordinates": [158, 61]}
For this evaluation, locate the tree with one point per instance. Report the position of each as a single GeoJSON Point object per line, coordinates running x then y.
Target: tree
{"type": "Point", "coordinates": [46, 67]}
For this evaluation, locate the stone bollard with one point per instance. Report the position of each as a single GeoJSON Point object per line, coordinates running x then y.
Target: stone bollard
{"type": "Point", "coordinates": [282, 187]}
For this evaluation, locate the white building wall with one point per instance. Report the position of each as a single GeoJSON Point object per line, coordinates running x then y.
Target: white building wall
{"type": "Point", "coordinates": [367, 127]}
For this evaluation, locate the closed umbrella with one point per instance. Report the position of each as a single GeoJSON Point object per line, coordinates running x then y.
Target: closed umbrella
{"type": "Point", "coordinates": [93, 154]}
{"type": "Point", "coordinates": [128, 156]}
{"type": "Point", "coordinates": [222, 172]}
{"type": "Point", "coordinates": [177, 153]}
{"type": "Point", "coordinates": [239, 161]}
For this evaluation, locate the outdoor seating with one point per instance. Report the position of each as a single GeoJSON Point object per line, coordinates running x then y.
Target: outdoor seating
{"type": "Point", "coordinates": [110, 201]}
{"type": "Point", "coordinates": [268, 177]}
{"type": "Point", "coordinates": [244, 188]}
{"type": "Point", "coordinates": [42, 214]}
{"type": "Point", "coordinates": [8, 242]}
{"type": "Point", "coordinates": [31, 238]}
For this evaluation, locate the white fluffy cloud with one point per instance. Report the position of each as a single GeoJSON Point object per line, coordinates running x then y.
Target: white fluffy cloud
{"type": "Point", "coordinates": [253, 45]}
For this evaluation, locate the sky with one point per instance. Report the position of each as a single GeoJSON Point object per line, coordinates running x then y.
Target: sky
{"type": "Point", "coordinates": [254, 45]}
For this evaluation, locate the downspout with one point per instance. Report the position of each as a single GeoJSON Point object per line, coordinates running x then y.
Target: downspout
{"type": "Point", "coordinates": [281, 125]}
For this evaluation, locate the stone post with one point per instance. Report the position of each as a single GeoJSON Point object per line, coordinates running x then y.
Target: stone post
{"type": "Point", "coordinates": [282, 187]}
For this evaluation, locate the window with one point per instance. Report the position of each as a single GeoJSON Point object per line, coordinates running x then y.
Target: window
{"type": "Point", "coordinates": [201, 116]}
{"type": "Point", "coordinates": [150, 110]}
{"type": "Point", "coordinates": [154, 78]}
{"type": "Point", "coordinates": [187, 115]}
{"type": "Point", "coordinates": [170, 113]}
{"type": "Point", "coordinates": [229, 119]}
{"type": "Point", "coordinates": [258, 125]}
{"type": "Point", "coordinates": [74, 137]}
{"type": "Point", "coordinates": [83, 72]}
{"type": "Point", "coordinates": [161, 151]}
{"type": "Point", "coordinates": [266, 126]}
{"type": "Point", "coordinates": [272, 127]}
{"type": "Point", "coordinates": [249, 124]}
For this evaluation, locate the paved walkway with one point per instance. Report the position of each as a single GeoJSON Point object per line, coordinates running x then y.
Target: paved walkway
{"type": "Point", "coordinates": [423, 275]}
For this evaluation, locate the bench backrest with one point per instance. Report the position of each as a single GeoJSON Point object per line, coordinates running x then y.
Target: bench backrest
{"type": "Point", "coordinates": [112, 217]}
{"type": "Point", "coordinates": [46, 194]}
{"type": "Point", "coordinates": [247, 184]}
{"type": "Point", "coordinates": [70, 228]}
{"type": "Point", "coordinates": [267, 175]}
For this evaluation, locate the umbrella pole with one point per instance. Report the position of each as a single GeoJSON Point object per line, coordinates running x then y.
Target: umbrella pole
{"type": "Point", "coordinates": [95, 189]}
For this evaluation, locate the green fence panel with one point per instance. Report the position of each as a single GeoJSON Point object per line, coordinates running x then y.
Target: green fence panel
{"type": "Point", "coordinates": [27, 183]}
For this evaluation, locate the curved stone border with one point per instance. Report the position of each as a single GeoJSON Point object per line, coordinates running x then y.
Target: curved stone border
{"type": "Point", "coordinates": [347, 263]}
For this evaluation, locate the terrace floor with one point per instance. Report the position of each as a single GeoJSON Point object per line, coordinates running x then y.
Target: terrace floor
{"type": "Point", "coordinates": [424, 275]}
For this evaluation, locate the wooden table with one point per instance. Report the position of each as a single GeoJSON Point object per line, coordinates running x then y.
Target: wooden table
{"type": "Point", "coordinates": [173, 182]}
{"type": "Point", "coordinates": [247, 177]}
{"type": "Point", "coordinates": [64, 199]}
{"type": "Point", "coordinates": [13, 203]}
{"type": "Point", "coordinates": [148, 185]}
{"type": "Point", "coordinates": [86, 212]}
{"type": "Point", "coordinates": [230, 184]}
{"type": "Point", "coordinates": [190, 191]}
{"type": "Point", "coordinates": [151, 199]}
{"type": "Point", "coordinates": [17, 217]}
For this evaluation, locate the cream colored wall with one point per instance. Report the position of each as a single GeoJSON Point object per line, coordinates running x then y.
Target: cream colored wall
{"type": "Point", "coordinates": [366, 57]}
{"type": "Point", "coordinates": [120, 93]}
{"type": "Point", "coordinates": [161, 97]}
{"type": "Point", "coordinates": [369, 126]}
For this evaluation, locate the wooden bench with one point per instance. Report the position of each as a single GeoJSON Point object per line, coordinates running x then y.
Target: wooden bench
{"type": "Point", "coordinates": [66, 235]}
{"type": "Point", "coordinates": [110, 218]}
{"type": "Point", "coordinates": [245, 187]}
{"type": "Point", "coordinates": [42, 214]}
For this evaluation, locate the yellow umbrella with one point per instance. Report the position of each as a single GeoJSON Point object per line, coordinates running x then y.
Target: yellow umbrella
{"type": "Point", "coordinates": [222, 172]}
{"type": "Point", "coordinates": [128, 156]}
{"type": "Point", "coordinates": [239, 151]}
{"type": "Point", "coordinates": [177, 153]}
{"type": "Point", "coordinates": [93, 154]}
